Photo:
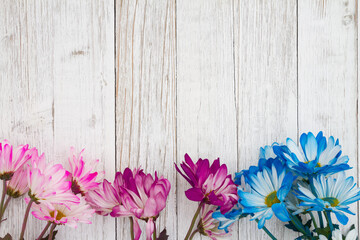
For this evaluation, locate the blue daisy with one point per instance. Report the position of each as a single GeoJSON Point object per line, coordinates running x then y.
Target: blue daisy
{"type": "Point", "coordinates": [315, 156]}
{"type": "Point", "coordinates": [330, 194]}
{"type": "Point", "coordinates": [267, 152]}
{"type": "Point", "coordinates": [266, 159]}
{"type": "Point", "coordinates": [268, 190]}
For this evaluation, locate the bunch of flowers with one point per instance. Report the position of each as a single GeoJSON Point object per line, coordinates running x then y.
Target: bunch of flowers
{"type": "Point", "coordinates": [70, 195]}
{"type": "Point", "coordinates": [304, 186]}
{"type": "Point", "coordinates": [48, 189]}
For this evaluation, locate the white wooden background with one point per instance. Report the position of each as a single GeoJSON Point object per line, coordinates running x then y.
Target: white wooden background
{"type": "Point", "coordinates": [142, 82]}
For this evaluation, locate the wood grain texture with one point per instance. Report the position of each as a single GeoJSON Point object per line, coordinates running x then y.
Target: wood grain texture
{"type": "Point", "coordinates": [265, 73]}
{"type": "Point", "coordinates": [142, 82]}
{"type": "Point", "coordinates": [84, 93]}
{"type": "Point", "coordinates": [206, 115]}
{"type": "Point", "coordinates": [327, 74]}
{"type": "Point", "coordinates": [57, 88]}
{"type": "Point", "coordinates": [26, 89]}
{"type": "Point", "coordinates": [146, 97]}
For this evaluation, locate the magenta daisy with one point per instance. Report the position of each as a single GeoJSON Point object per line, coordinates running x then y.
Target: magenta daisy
{"type": "Point", "coordinates": [83, 176]}
{"type": "Point", "coordinates": [210, 184]}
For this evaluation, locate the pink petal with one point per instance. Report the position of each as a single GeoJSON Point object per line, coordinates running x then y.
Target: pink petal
{"type": "Point", "coordinates": [150, 226]}
{"type": "Point", "coordinates": [189, 161]}
{"type": "Point", "coordinates": [150, 208]}
{"type": "Point", "coordinates": [137, 230]}
{"type": "Point", "coordinates": [194, 194]}
{"type": "Point", "coordinates": [215, 166]}
{"type": "Point", "coordinates": [160, 201]}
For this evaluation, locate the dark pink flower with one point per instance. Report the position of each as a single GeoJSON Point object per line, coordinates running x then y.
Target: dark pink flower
{"type": "Point", "coordinates": [143, 197]}
{"type": "Point", "coordinates": [210, 184]}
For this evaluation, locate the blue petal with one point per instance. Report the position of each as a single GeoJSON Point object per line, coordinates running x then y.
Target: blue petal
{"type": "Point", "coordinates": [343, 219]}
{"type": "Point", "coordinates": [285, 187]}
{"type": "Point", "coordinates": [310, 147]}
{"type": "Point", "coordinates": [281, 212]}
{"type": "Point", "coordinates": [265, 217]}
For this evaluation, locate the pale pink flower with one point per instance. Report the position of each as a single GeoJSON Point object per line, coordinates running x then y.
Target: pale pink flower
{"type": "Point", "coordinates": [11, 160]}
{"type": "Point", "coordinates": [69, 214]}
{"type": "Point", "coordinates": [18, 184]}
{"type": "Point", "coordinates": [208, 226]}
{"type": "Point", "coordinates": [142, 197]}
{"type": "Point", "coordinates": [48, 183]}
{"type": "Point", "coordinates": [83, 176]}
{"type": "Point", "coordinates": [103, 198]}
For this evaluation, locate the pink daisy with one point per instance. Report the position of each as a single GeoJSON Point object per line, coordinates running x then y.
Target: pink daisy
{"type": "Point", "coordinates": [11, 160]}
{"type": "Point", "coordinates": [68, 215]}
{"type": "Point", "coordinates": [83, 176]}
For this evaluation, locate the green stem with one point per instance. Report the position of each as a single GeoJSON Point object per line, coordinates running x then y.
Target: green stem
{"type": "Point", "coordinates": [321, 219]}
{"type": "Point", "coordinates": [154, 233]}
{"type": "Point", "coordinates": [193, 221]}
{"type": "Point", "coordinates": [328, 219]}
{"type": "Point", "coordinates": [51, 231]}
{"type": "Point", "coordinates": [25, 219]}
{"type": "Point", "coordinates": [44, 231]}
{"type": "Point", "coordinates": [3, 196]}
{"type": "Point", "coordinates": [4, 208]}
{"type": "Point", "coordinates": [131, 228]}
{"type": "Point", "coordinates": [267, 231]}
{"type": "Point", "coordinates": [194, 233]}
{"type": "Point", "coordinates": [298, 225]}
{"type": "Point", "coordinates": [313, 219]}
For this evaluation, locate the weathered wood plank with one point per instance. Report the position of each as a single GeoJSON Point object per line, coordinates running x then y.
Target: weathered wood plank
{"type": "Point", "coordinates": [146, 97]}
{"type": "Point", "coordinates": [57, 85]}
{"type": "Point", "coordinates": [84, 93]}
{"type": "Point", "coordinates": [328, 73]}
{"type": "Point", "coordinates": [265, 72]}
{"type": "Point", "coordinates": [26, 90]}
{"type": "Point", "coordinates": [206, 115]}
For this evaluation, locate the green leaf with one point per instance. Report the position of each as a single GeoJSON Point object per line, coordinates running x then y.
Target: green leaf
{"type": "Point", "coordinates": [53, 236]}
{"type": "Point", "coordinates": [291, 226]}
{"type": "Point", "coordinates": [7, 237]}
{"type": "Point", "coordinates": [352, 227]}
{"type": "Point", "coordinates": [308, 224]}
{"type": "Point", "coordinates": [323, 231]}
{"type": "Point", "coordinates": [163, 235]}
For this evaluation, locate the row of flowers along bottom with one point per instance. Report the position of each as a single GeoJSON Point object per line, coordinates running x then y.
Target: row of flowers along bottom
{"type": "Point", "coordinates": [304, 186]}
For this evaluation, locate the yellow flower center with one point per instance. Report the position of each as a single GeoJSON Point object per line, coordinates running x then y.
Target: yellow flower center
{"type": "Point", "coordinates": [317, 165]}
{"type": "Point", "coordinates": [59, 215]}
{"type": "Point", "coordinates": [271, 199]}
{"type": "Point", "coordinates": [333, 201]}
